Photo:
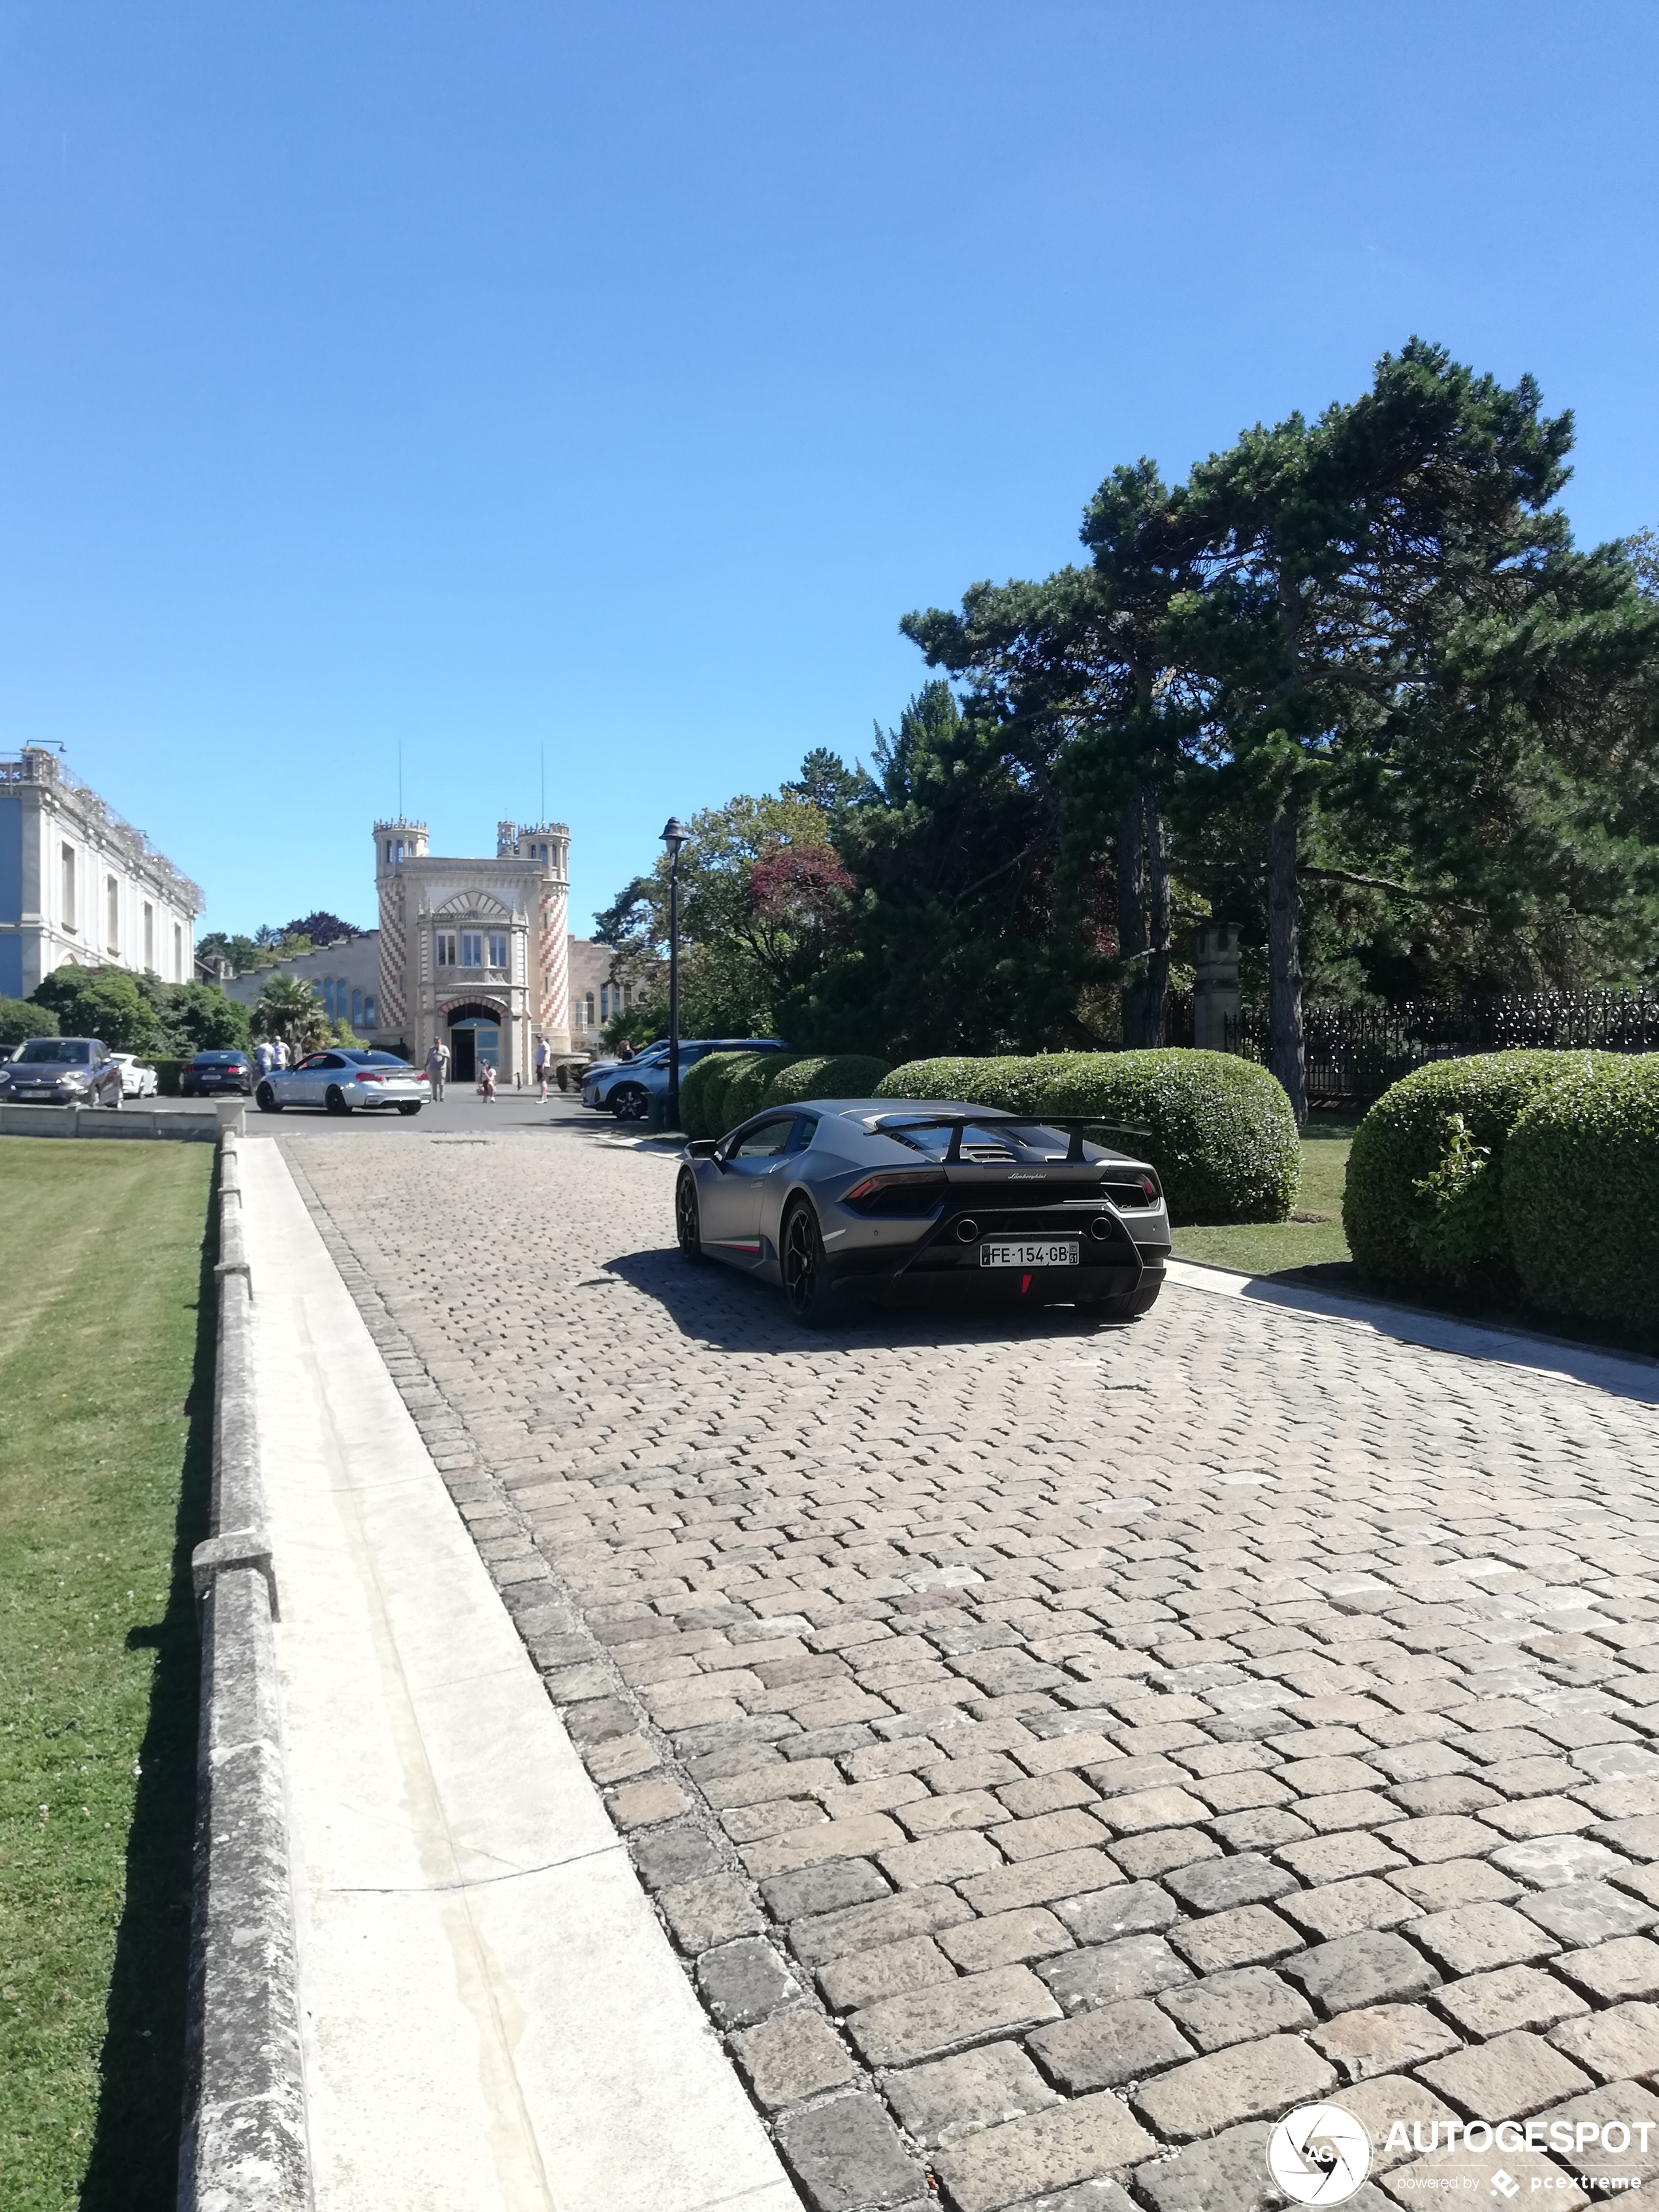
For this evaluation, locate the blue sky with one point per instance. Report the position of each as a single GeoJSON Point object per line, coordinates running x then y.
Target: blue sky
{"type": "Point", "coordinates": [492, 377]}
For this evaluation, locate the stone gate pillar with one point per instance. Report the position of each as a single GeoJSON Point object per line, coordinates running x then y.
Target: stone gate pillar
{"type": "Point", "coordinates": [1217, 998]}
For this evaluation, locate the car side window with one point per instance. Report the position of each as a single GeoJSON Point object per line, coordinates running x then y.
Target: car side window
{"type": "Point", "coordinates": [805, 1129]}
{"type": "Point", "coordinates": [768, 1142]}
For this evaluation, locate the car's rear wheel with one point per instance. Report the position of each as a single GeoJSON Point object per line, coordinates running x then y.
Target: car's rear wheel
{"type": "Point", "coordinates": [413, 1107]}
{"type": "Point", "coordinates": [688, 1217]}
{"type": "Point", "coordinates": [335, 1100]}
{"type": "Point", "coordinates": [806, 1271]}
{"type": "Point", "coordinates": [1126, 1305]}
{"type": "Point", "coordinates": [266, 1100]}
{"type": "Point", "coordinates": [628, 1103]}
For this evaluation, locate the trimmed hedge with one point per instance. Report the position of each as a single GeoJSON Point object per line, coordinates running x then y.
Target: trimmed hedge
{"type": "Point", "coordinates": [1581, 1193]}
{"type": "Point", "coordinates": [1223, 1137]}
{"type": "Point", "coordinates": [724, 1088]}
{"type": "Point", "coordinates": [703, 1089]}
{"type": "Point", "coordinates": [825, 1075]}
{"type": "Point", "coordinates": [167, 1072]}
{"type": "Point", "coordinates": [1424, 1206]}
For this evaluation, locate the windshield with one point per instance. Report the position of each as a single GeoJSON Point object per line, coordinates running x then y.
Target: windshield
{"type": "Point", "coordinates": [54, 1051]}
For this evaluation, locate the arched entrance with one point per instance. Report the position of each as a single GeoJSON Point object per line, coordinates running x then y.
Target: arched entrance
{"type": "Point", "coordinates": [475, 1035]}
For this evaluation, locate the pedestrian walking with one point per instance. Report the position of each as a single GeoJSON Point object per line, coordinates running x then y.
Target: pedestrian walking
{"type": "Point", "coordinates": [487, 1079]}
{"type": "Point", "coordinates": [279, 1055]}
{"type": "Point", "coordinates": [262, 1056]}
{"type": "Point", "coordinates": [437, 1068]}
{"type": "Point", "coordinates": [544, 1058]}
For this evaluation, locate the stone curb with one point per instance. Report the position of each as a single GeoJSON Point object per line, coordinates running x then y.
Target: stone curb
{"type": "Point", "coordinates": [243, 2142]}
{"type": "Point", "coordinates": [142, 1121]}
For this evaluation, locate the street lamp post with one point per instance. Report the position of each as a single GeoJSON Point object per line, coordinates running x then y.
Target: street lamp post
{"type": "Point", "coordinates": [674, 835]}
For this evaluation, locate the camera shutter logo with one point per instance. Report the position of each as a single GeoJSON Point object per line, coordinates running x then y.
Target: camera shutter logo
{"type": "Point", "coordinates": [1319, 2154]}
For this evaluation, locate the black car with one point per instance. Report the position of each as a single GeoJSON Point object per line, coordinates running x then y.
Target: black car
{"type": "Point", "coordinates": [217, 1070]}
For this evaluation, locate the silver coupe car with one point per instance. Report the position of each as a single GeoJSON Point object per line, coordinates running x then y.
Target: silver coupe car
{"type": "Point", "coordinates": [342, 1079]}
{"type": "Point", "coordinates": [900, 1201]}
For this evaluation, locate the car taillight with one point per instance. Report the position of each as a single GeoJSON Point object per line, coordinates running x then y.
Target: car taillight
{"type": "Point", "coordinates": [922, 1186]}
{"type": "Point", "coordinates": [363, 1076]}
{"type": "Point", "coordinates": [420, 1075]}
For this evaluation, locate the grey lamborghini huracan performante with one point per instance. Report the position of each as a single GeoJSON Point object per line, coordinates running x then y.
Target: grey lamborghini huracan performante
{"type": "Point", "coordinates": [838, 1198]}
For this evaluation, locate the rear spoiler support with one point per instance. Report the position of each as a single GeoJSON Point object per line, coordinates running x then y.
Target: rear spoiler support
{"type": "Point", "coordinates": [994, 1117]}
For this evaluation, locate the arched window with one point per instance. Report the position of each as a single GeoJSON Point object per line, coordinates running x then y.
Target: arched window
{"type": "Point", "coordinates": [357, 1010]}
{"type": "Point", "coordinates": [368, 1009]}
{"type": "Point", "coordinates": [328, 996]}
{"type": "Point", "coordinates": [589, 1023]}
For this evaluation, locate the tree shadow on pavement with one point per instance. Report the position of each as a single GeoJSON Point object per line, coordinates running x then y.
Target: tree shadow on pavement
{"type": "Point", "coordinates": [716, 1306]}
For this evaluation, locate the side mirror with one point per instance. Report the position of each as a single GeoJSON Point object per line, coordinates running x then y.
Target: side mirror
{"type": "Point", "coordinates": [703, 1148]}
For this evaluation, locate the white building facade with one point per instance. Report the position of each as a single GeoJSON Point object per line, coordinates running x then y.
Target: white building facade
{"type": "Point", "coordinates": [474, 952]}
{"type": "Point", "coordinates": [78, 884]}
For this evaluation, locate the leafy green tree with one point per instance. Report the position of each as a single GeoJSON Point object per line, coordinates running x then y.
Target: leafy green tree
{"type": "Point", "coordinates": [243, 954]}
{"type": "Point", "coordinates": [1077, 673]}
{"type": "Point", "coordinates": [1343, 568]}
{"type": "Point", "coordinates": [320, 929]}
{"type": "Point", "coordinates": [99, 1002]}
{"type": "Point", "coordinates": [199, 1017]}
{"type": "Point", "coordinates": [20, 1020]}
{"type": "Point", "coordinates": [763, 898]}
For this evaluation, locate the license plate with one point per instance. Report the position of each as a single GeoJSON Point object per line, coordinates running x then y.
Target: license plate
{"type": "Point", "coordinates": [1054, 1254]}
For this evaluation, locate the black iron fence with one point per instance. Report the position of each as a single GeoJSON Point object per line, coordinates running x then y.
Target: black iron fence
{"type": "Point", "coordinates": [1357, 1052]}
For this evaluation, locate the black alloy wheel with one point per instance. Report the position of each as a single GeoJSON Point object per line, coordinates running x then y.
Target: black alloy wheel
{"type": "Point", "coordinates": [628, 1103]}
{"type": "Point", "coordinates": [806, 1275]}
{"type": "Point", "coordinates": [335, 1100]}
{"type": "Point", "coordinates": [266, 1100]}
{"type": "Point", "coordinates": [688, 1218]}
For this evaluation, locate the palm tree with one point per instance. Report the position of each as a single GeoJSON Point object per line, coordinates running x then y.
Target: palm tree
{"type": "Point", "coordinates": [291, 1009]}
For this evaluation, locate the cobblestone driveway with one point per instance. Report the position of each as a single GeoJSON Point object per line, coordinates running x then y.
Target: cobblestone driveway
{"type": "Point", "coordinates": [1058, 1753]}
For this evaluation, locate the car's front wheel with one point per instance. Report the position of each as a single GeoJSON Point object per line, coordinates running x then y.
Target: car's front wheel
{"type": "Point", "coordinates": [335, 1100]}
{"type": "Point", "coordinates": [688, 1217]}
{"type": "Point", "coordinates": [266, 1100]}
{"type": "Point", "coordinates": [628, 1103]}
{"type": "Point", "coordinates": [807, 1282]}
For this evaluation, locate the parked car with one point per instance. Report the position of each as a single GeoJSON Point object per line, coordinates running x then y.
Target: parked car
{"type": "Point", "coordinates": [61, 1072]}
{"type": "Point", "coordinates": [215, 1071]}
{"type": "Point", "coordinates": [341, 1079]}
{"type": "Point", "coordinates": [926, 1203]}
{"type": "Point", "coordinates": [139, 1080]}
{"type": "Point", "coordinates": [626, 1087]}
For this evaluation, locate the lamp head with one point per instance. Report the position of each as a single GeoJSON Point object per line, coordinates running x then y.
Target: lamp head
{"type": "Point", "coordinates": [675, 835]}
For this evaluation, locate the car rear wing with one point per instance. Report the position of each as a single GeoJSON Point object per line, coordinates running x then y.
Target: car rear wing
{"type": "Point", "coordinates": [1075, 1125]}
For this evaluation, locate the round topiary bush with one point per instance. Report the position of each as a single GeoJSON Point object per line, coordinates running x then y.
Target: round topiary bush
{"type": "Point", "coordinates": [1424, 1206]}
{"type": "Point", "coordinates": [702, 1091]}
{"type": "Point", "coordinates": [1581, 1193]}
{"type": "Point", "coordinates": [816, 1075]}
{"type": "Point", "coordinates": [748, 1087]}
{"type": "Point", "coordinates": [1222, 1134]}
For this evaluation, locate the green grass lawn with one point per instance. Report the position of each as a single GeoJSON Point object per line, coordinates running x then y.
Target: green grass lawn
{"type": "Point", "coordinates": [1282, 1247]}
{"type": "Point", "coordinates": [105, 1428]}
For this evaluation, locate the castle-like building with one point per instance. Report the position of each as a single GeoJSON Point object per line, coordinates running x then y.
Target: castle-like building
{"type": "Point", "coordinates": [474, 952]}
